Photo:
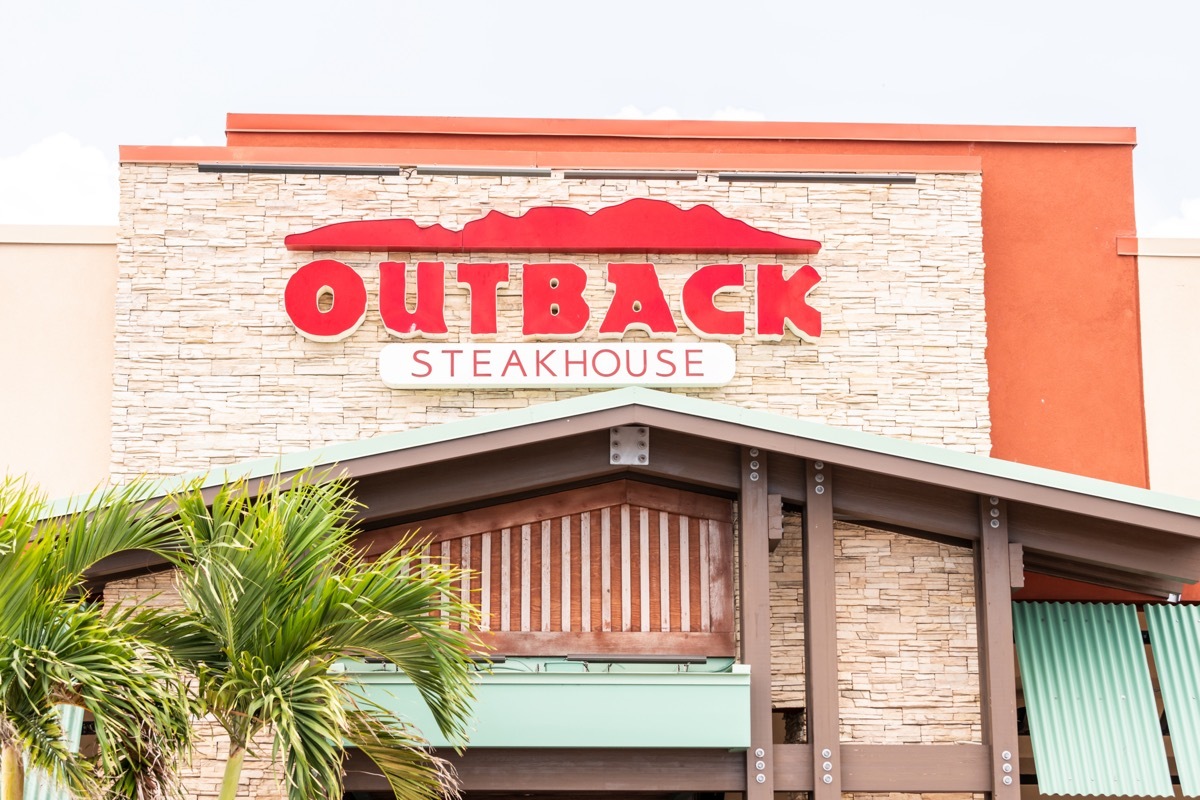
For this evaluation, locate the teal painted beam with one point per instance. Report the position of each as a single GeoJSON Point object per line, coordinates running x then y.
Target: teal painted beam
{"type": "Point", "coordinates": [584, 709]}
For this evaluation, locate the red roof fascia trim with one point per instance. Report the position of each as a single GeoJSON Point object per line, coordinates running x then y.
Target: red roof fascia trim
{"type": "Point", "coordinates": [678, 129]}
{"type": "Point", "coordinates": [410, 157]}
{"type": "Point", "coordinates": [635, 226]}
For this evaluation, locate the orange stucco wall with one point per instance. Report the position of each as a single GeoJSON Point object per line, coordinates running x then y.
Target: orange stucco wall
{"type": "Point", "coordinates": [1062, 305]}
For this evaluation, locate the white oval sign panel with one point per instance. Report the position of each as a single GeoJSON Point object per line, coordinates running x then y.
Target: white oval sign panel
{"type": "Point", "coordinates": [558, 365]}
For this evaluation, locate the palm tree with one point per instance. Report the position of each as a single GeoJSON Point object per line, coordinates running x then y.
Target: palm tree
{"type": "Point", "coordinates": [58, 647]}
{"type": "Point", "coordinates": [275, 593]}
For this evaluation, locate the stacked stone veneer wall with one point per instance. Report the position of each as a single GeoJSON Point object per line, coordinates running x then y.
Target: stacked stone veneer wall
{"type": "Point", "coordinates": [907, 646]}
{"type": "Point", "coordinates": [261, 777]}
{"type": "Point", "coordinates": [209, 369]}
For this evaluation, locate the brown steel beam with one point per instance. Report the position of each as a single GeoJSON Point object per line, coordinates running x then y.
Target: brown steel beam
{"type": "Point", "coordinates": [890, 768]}
{"type": "Point", "coordinates": [820, 634]}
{"type": "Point", "coordinates": [530, 468]}
{"type": "Point", "coordinates": [916, 768]}
{"type": "Point", "coordinates": [691, 460]}
{"type": "Point", "coordinates": [997, 658]}
{"type": "Point", "coordinates": [867, 768]}
{"type": "Point", "coordinates": [534, 468]}
{"type": "Point", "coordinates": [793, 768]}
{"type": "Point", "coordinates": [786, 478]}
{"type": "Point", "coordinates": [120, 566]}
{"type": "Point", "coordinates": [1016, 565]}
{"type": "Point", "coordinates": [893, 500]}
{"type": "Point", "coordinates": [755, 609]}
{"type": "Point", "coordinates": [576, 769]}
{"type": "Point", "coordinates": [1104, 542]}
{"type": "Point", "coordinates": [774, 521]}
{"type": "Point", "coordinates": [945, 475]}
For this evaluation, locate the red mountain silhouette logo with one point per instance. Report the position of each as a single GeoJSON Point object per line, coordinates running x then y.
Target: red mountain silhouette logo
{"type": "Point", "coordinates": [635, 226]}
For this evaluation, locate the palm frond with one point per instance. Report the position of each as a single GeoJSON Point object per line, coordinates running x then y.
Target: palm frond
{"type": "Point", "coordinates": [400, 754]}
{"type": "Point", "coordinates": [55, 647]}
{"type": "Point", "coordinates": [114, 520]}
{"type": "Point", "coordinates": [275, 592]}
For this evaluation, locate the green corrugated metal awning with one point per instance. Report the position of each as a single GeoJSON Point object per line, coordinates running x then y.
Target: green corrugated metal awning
{"type": "Point", "coordinates": [1175, 638]}
{"type": "Point", "coordinates": [1092, 716]}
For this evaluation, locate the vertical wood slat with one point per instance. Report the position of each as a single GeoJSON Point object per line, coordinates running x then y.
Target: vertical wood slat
{"type": "Point", "coordinates": [664, 571]}
{"type": "Point", "coordinates": [545, 575]}
{"type": "Point", "coordinates": [644, 568]}
{"type": "Point", "coordinates": [585, 571]}
{"type": "Point", "coordinates": [685, 575]}
{"type": "Point", "coordinates": [605, 570]}
{"type": "Point", "coordinates": [705, 616]}
{"type": "Point", "coordinates": [755, 619]}
{"type": "Point", "coordinates": [626, 570]}
{"type": "Point", "coordinates": [485, 580]}
{"type": "Point", "coordinates": [997, 675]}
{"type": "Point", "coordinates": [505, 578]}
{"type": "Point", "coordinates": [465, 557]}
{"type": "Point", "coordinates": [526, 562]}
{"type": "Point", "coordinates": [720, 577]}
{"type": "Point", "coordinates": [565, 600]}
{"type": "Point", "coordinates": [820, 632]}
{"type": "Point", "coordinates": [443, 559]}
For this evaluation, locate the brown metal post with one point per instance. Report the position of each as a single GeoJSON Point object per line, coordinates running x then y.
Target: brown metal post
{"type": "Point", "coordinates": [997, 670]}
{"type": "Point", "coordinates": [820, 634]}
{"type": "Point", "coordinates": [755, 609]}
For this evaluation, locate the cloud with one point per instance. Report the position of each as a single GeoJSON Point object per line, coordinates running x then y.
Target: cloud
{"type": "Point", "coordinates": [58, 181]}
{"type": "Point", "coordinates": [1185, 224]}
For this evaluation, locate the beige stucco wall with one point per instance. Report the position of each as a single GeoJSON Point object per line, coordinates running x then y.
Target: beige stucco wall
{"type": "Point", "coordinates": [1169, 282]}
{"type": "Point", "coordinates": [56, 354]}
{"type": "Point", "coordinates": [210, 370]}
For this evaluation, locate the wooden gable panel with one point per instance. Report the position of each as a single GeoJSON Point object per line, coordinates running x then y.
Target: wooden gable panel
{"type": "Point", "coordinates": [623, 567]}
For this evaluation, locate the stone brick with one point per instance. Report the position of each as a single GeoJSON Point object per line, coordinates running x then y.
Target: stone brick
{"type": "Point", "coordinates": [206, 356]}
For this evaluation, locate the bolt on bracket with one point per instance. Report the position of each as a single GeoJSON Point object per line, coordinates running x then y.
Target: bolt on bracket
{"type": "Point", "coordinates": [629, 445]}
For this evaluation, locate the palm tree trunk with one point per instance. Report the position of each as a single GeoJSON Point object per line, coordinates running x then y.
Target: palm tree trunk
{"type": "Point", "coordinates": [12, 774]}
{"type": "Point", "coordinates": [233, 772]}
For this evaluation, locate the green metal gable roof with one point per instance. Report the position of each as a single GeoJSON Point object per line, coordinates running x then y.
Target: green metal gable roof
{"type": "Point", "coordinates": [653, 400]}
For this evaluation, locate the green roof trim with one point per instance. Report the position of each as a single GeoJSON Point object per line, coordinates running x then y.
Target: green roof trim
{"type": "Point", "coordinates": [1092, 717]}
{"type": "Point", "coordinates": [685, 405]}
{"type": "Point", "coordinates": [1175, 641]}
{"type": "Point", "coordinates": [556, 703]}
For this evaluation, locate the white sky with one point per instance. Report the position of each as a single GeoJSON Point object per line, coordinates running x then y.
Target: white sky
{"type": "Point", "coordinates": [79, 78]}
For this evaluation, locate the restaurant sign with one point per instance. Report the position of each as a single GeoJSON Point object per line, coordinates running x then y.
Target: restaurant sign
{"type": "Point", "coordinates": [326, 299]}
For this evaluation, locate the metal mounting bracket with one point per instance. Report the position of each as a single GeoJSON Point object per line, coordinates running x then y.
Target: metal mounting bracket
{"type": "Point", "coordinates": [629, 445]}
